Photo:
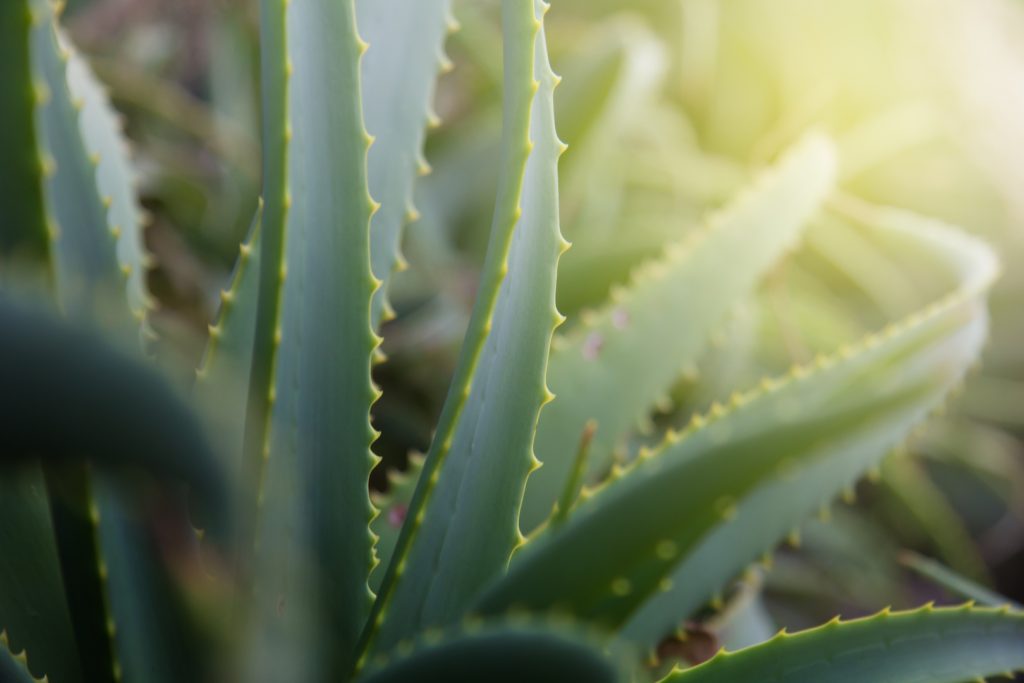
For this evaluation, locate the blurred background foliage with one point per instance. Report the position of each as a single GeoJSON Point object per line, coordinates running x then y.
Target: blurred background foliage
{"type": "Point", "coordinates": [669, 106]}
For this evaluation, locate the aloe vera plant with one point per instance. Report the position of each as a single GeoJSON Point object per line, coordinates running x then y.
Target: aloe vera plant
{"type": "Point", "coordinates": [271, 571]}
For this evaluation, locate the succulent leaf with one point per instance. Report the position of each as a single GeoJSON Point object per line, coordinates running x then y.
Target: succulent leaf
{"type": "Point", "coordinates": [406, 40]}
{"type": "Point", "coordinates": [24, 231]}
{"type": "Point", "coordinates": [520, 26]}
{"type": "Point", "coordinates": [614, 368]}
{"type": "Point", "coordinates": [14, 666]}
{"type": "Point", "coordinates": [507, 652]}
{"type": "Point", "coordinates": [70, 397]}
{"type": "Point", "coordinates": [90, 281]}
{"type": "Point", "coordinates": [311, 588]}
{"type": "Point", "coordinates": [74, 403]}
{"type": "Point", "coordinates": [92, 285]}
{"type": "Point", "coordinates": [925, 507]}
{"type": "Point", "coordinates": [930, 645]}
{"type": "Point", "coordinates": [660, 539]}
{"type": "Point", "coordinates": [222, 382]}
{"type": "Point", "coordinates": [115, 176]}
{"type": "Point", "coordinates": [956, 584]}
{"type": "Point", "coordinates": [33, 607]}
{"type": "Point", "coordinates": [394, 508]}
{"type": "Point", "coordinates": [473, 509]}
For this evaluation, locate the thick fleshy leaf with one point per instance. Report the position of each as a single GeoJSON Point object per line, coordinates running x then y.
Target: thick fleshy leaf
{"type": "Point", "coordinates": [222, 382]}
{"type": "Point", "coordinates": [500, 653]}
{"type": "Point", "coordinates": [115, 177]}
{"type": "Point", "coordinates": [23, 232]}
{"type": "Point", "coordinates": [311, 446]}
{"type": "Point", "coordinates": [14, 666]}
{"type": "Point", "coordinates": [33, 608]}
{"type": "Point", "coordinates": [474, 506]}
{"type": "Point", "coordinates": [406, 39]}
{"type": "Point", "coordinates": [616, 367]}
{"type": "Point", "coordinates": [394, 509]}
{"type": "Point", "coordinates": [928, 645]}
{"type": "Point", "coordinates": [86, 513]}
{"type": "Point", "coordinates": [661, 538]}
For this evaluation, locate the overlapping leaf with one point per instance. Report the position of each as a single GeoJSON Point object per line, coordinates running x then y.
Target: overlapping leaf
{"type": "Point", "coordinates": [930, 645]}
{"type": "Point", "coordinates": [476, 488]}
{"type": "Point", "coordinates": [614, 368]}
{"type": "Point", "coordinates": [658, 541]}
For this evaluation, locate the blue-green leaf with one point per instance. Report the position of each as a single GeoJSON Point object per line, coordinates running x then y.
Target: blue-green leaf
{"type": "Point", "coordinates": [313, 545]}
{"type": "Point", "coordinates": [406, 39]}
{"type": "Point", "coordinates": [615, 367]}
{"type": "Point", "coordinates": [928, 645]}
{"type": "Point", "coordinates": [474, 504]}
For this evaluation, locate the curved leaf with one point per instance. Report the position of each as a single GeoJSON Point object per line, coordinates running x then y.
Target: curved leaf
{"type": "Point", "coordinates": [661, 538]}
{"type": "Point", "coordinates": [928, 645]}
{"type": "Point", "coordinates": [67, 397]}
{"type": "Point", "coordinates": [614, 368]}
{"type": "Point", "coordinates": [502, 653]}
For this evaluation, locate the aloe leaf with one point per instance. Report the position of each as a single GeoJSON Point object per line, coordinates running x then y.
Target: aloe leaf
{"type": "Point", "coordinates": [474, 505]}
{"type": "Point", "coordinates": [75, 403]}
{"type": "Point", "coordinates": [406, 40]}
{"type": "Point", "coordinates": [70, 397]}
{"type": "Point", "coordinates": [115, 177]}
{"type": "Point", "coordinates": [660, 539]}
{"type": "Point", "coordinates": [958, 585]}
{"type": "Point", "coordinates": [33, 607]}
{"type": "Point", "coordinates": [930, 645]}
{"type": "Point", "coordinates": [520, 27]}
{"type": "Point", "coordinates": [925, 507]}
{"type": "Point", "coordinates": [507, 652]}
{"type": "Point", "coordinates": [91, 286]}
{"type": "Point", "coordinates": [90, 282]}
{"type": "Point", "coordinates": [615, 368]}
{"type": "Point", "coordinates": [311, 590]}
{"type": "Point", "coordinates": [394, 509]}
{"type": "Point", "coordinates": [14, 666]}
{"type": "Point", "coordinates": [222, 381]}
{"type": "Point", "coordinates": [24, 231]}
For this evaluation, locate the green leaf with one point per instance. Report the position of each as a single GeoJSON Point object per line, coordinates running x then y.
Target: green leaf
{"type": "Point", "coordinates": [115, 178]}
{"type": "Point", "coordinates": [953, 582]}
{"type": "Point", "coordinates": [13, 667]}
{"type": "Point", "coordinates": [222, 381]}
{"type": "Point", "coordinates": [929, 645]}
{"type": "Point", "coordinates": [406, 40]}
{"type": "Point", "coordinates": [394, 508]}
{"type": "Point", "coordinates": [925, 508]}
{"type": "Point", "coordinates": [502, 653]}
{"type": "Point", "coordinates": [24, 230]}
{"type": "Point", "coordinates": [88, 518]}
{"type": "Point", "coordinates": [614, 368]}
{"type": "Point", "coordinates": [73, 403]}
{"type": "Point", "coordinates": [469, 526]}
{"type": "Point", "coordinates": [311, 588]}
{"type": "Point", "coordinates": [33, 607]}
{"type": "Point", "coordinates": [661, 538]}
{"type": "Point", "coordinates": [70, 397]}
{"type": "Point", "coordinates": [90, 282]}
